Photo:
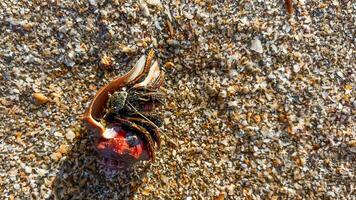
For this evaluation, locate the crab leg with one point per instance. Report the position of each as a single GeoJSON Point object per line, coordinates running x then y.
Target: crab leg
{"type": "Point", "coordinates": [155, 119]}
{"type": "Point", "coordinates": [150, 127]}
{"type": "Point", "coordinates": [152, 94]}
{"type": "Point", "coordinates": [151, 97]}
{"type": "Point", "coordinates": [138, 129]}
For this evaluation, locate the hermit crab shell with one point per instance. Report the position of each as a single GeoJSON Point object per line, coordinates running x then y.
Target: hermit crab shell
{"type": "Point", "coordinates": [154, 79]}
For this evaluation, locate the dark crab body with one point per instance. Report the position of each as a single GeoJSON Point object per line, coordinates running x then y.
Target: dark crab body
{"type": "Point", "coordinates": [122, 112]}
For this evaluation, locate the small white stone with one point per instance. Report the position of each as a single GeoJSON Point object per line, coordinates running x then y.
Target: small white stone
{"type": "Point", "coordinates": [223, 94]}
{"type": "Point", "coordinates": [154, 2]}
{"type": "Point", "coordinates": [231, 189]}
{"type": "Point", "coordinates": [144, 8]}
{"type": "Point", "coordinates": [232, 104]}
{"type": "Point", "coordinates": [70, 135]}
{"type": "Point", "coordinates": [233, 73]}
{"type": "Point", "coordinates": [167, 121]}
{"type": "Point", "coordinates": [296, 68]}
{"type": "Point", "coordinates": [339, 73]}
{"type": "Point", "coordinates": [92, 2]}
{"type": "Point", "coordinates": [63, 29]}
{"type": "Point", "coordinates": [58, 134]}
{"type": "Point", "coordinates": [256, 46]}
{"type": "Point", "coordinates": [28, 170]}
{"type": "Point", "coordinates": [17, 186]}
{"type": "Point", "coordinates": [103, 14]}
{"type": "Point", "coordinates": [41, 172]}
{"type": "Point", "coordinates": [188, 15]}
{"type": "Point", "coordinates": [69, 62]}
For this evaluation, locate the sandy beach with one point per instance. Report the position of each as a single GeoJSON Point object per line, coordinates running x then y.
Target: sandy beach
{"type": "Point", "coordinates": [260, 101]}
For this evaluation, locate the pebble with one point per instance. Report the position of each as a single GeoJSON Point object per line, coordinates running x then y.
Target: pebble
{"type": "Point", "coordinates": [256, 46]}
{"type": "Point", "coordinates": [221, 196]}
{"type": "Point", "coordinates": [41, 172]}
{"type": "Point", "coordinates": [69, 62]}
{"type": "Point", "coordinates": [58, 134]}
{"type": "Point", "coordinates": [40, 98]}
{"type": "Point", "coordinates": [16, 91]}
{"type": "Point", "coordinates": [233, 73]}
{"type": "Point", "coordinates": [154, 2]}
{"type": "Point", "coordinates": [169, 65]}
{"type": "Point", "coordinates": [17, 186]}
{"type": "Point", "coordinates": [126, 49]}
{"type": "Point", "coordinates": [296, 68]}
{"type": "Point", "coordinates": [188, 15]}
{"type": "Point", "coordinates": [179, 67]}
{"type": "Point", "coordinates": [172, 42]}
{"type": "Point", "coordinates": [93, 2]}
{"type": "Point", "coordinates": [144, 8]}
{"type": "Point", "coordinates": [222, 94]}
{"type": "Point", "coordinates": [70, 135]}
{"type": "Point", "coordinates": [28, 169]}
{"type": "Point", "coordinates": [232, 104]}
{"type": "Point", "coordinates": [164, 179]}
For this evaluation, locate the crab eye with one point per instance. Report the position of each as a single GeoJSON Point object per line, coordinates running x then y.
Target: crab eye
{"type": "Point", "coordinates": [132, 140]}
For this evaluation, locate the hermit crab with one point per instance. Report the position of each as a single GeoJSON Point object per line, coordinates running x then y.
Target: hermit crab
{"type": "Point", "coordinates": [122, 113]}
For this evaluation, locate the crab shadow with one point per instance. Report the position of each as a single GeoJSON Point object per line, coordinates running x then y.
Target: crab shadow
{"type": "Point", "coordinates": [80, 176]}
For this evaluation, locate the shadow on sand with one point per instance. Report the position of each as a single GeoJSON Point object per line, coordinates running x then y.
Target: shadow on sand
{"type": "Point", "coordinates": [80, 176]}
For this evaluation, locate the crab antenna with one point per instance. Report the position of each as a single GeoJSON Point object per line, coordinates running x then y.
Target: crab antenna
{"type": "Point", "coordinates": [142, 115]}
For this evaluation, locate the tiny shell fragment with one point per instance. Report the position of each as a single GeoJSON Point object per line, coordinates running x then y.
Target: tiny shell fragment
{"type": "Point", "coordinates": [127, 49]}
{"type": "Point", "coordinates": [289, 6]}
{"type": "Point", "coordinates": [169, 65]}
{"type": "Point", "coordinates": [106, 62]}
{"type": "Point", "coordinates": [220, 197]}
{"type": "Point", "coordinates": [256, 46]}
{"type": "Point", "coordinates": [144, 8]}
